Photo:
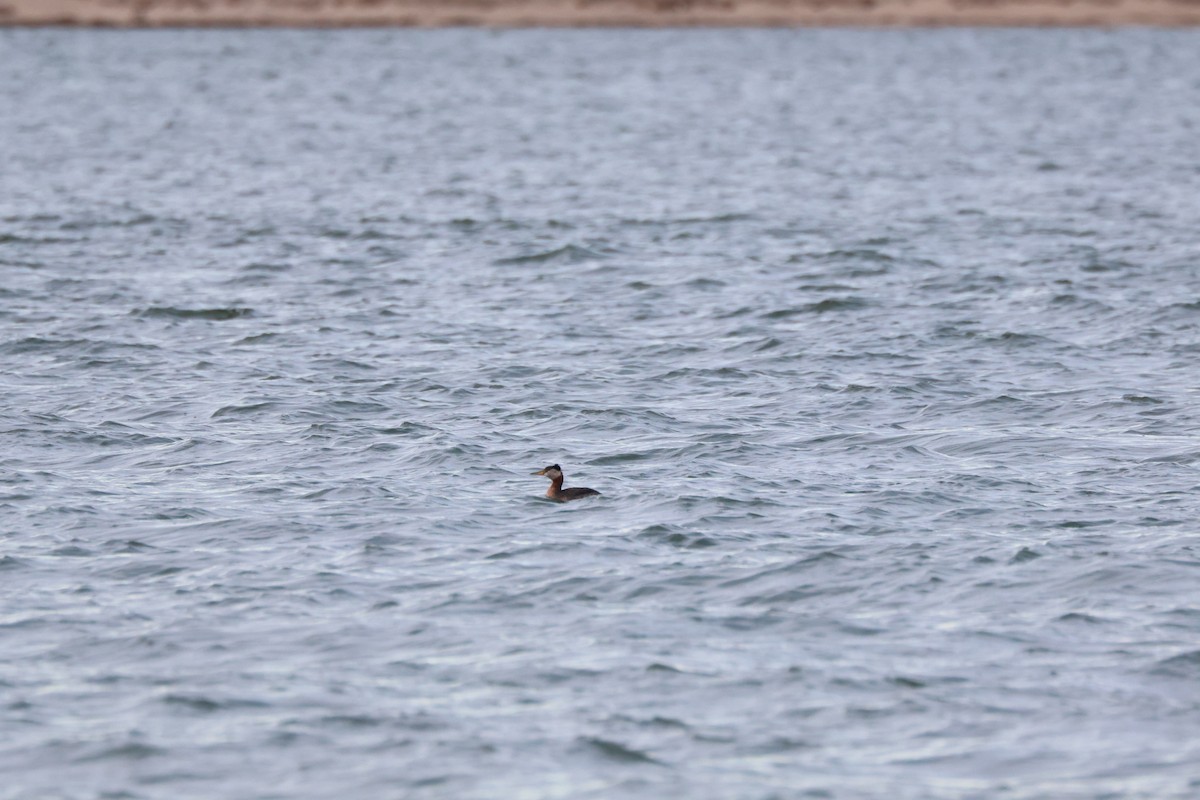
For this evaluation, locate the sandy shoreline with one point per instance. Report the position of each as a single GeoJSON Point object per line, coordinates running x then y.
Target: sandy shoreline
{"type": "Point", "coordinates": [637, 13]}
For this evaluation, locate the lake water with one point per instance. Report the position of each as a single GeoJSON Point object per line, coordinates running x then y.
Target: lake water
{"type": "Point", "coordinates": [883, 348]}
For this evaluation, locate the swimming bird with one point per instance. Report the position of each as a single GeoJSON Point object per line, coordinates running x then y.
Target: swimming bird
{"type": "Point", "coordinates": [556, 492]}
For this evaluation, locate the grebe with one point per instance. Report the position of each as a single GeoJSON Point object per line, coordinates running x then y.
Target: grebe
{"type": "Point", "coordinates": [556, 492]}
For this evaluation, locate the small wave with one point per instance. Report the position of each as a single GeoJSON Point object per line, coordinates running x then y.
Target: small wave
{"type": "Point", "coordinates": [264, 266]}
{"type": "Point", "coordinates": [1141, 399]}
{"type": "Point", "coordinates": [705, 283]}
{"type": "Point", "coordinates": [676, 536]}
{"type": "Point", "coordinates": [249, 235]}
{"type": "Point", "coordinates": [718, 219]}
{"type": "Point", "coordinates": [624, 458]}
{"type": "Point", "coordinates": [1023, 555]}
{"type": "Point", "coordinates": [259, 338]}
{"type": "Point", "coordinates": [40, 217]}
{"type": "Point", "coordinates": [72, 551]}
{"type": "Point", "coordinates": [130, 222]}
{"type": "Point", "coordinates": [867, 254]}
{"type": "Point", "coordinates": [407, 428]}
{"type": "Point", "coordinates": [1183, 665]}
{"type": "Point", "coordinates": [214, 314]}
{"type": "Point", "coordinates": [1018, 339]}
{"type": "Point", "coordinates": [793, 568]}
{"type": "Point", "coordinates": [820, 307]}
{"type": "Point", "coordinates": [207, 704]}
{"type": "Point", "coordinates": [240, 410]}
{"type": "Point", "coordinates": [133, 751]}
{"type": "Point", "coordinates": [352, 720]}
{"type": "Point", "coordinates": [12, 238]}
{"type": "Point", "coordinates": [779, 745]}
{"type": "Point", "coordinates": [1186, 457]}
{"type": "Point", "coordinates": [34, 344]}
{"type": "Point", "coordinates": [128, 546]}
{"type": "Point", "coordinates": [615, 751]}
{"type": "Point", "coordinates": [1100, 264]}
{"type": "Point", "coordinates": [569, 254]}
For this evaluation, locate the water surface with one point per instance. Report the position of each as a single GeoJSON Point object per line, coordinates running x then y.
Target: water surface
{"type": "Point", "coordinates": [882, 348]}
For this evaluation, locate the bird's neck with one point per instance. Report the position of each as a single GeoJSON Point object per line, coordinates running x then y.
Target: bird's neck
{"type": "Point", "coordinates": [555, 486]}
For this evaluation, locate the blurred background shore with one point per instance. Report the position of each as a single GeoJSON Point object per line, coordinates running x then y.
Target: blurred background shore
{"type": "Point", "coordinates": [647, 13]}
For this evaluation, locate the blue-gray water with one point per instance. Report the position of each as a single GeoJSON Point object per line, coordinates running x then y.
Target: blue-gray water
{"type": "Point", "coordinates": [883, 348]}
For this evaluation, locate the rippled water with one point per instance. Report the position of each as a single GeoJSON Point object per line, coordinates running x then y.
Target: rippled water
{"type": "Point", "coordinates": [882, 348]}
